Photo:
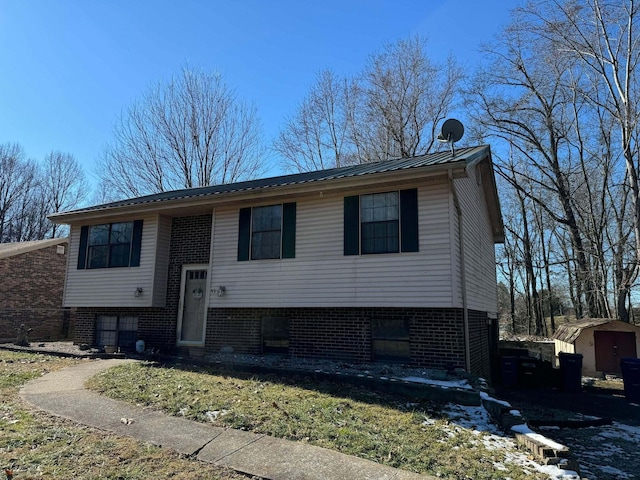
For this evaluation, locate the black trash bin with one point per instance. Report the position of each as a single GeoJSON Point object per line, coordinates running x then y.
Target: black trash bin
{"type": "Point", "coordinates": [571, 372]}
{"type": "Point", "coordinates": [631, 376]}
{"type": "Point", "coordinates": [509, 371]}
{"type": "Point", "coordinates": [528, 372]}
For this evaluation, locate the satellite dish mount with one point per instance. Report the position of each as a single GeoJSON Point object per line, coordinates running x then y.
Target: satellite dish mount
{"type": "Point", "coordinates": [452, 131]}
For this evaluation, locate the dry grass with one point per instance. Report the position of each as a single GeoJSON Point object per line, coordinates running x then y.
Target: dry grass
{"type": "Point", "coordinates": [39, 446]}
{"type": "Point", "coordinates": [403, 433]}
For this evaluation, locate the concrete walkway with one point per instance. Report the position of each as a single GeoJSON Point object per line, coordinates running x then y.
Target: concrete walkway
{"type": "Point", "coordinates": [62, 393]}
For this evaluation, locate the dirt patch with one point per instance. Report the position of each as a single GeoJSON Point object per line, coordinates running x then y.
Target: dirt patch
{"type": "Point", "coordinates": [604, 452]}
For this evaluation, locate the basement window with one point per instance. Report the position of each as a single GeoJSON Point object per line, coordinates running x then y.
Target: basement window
{"type": "Point", "coordinates": [119, 331]}
{"type": "Point", "coordinates": [390, 340]}
{"type": "Point", "coordinates": [275, 335]}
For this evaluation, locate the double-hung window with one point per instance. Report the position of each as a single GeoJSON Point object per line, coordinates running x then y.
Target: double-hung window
{"type": "Point", "coordinates": [384, 222]}
{"type": "Point", "coordinates": [380, 223]}
{"type": "Point", "coordinates": [110, 245]}
{"type": "Point", "coordinates": [267, 232]}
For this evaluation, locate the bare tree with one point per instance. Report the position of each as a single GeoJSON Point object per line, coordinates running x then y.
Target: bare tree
{"type": "Point", "coordinates": [17, 178]}
{"type": "Point", "coordinates": [29, 219]}
{"type": "Point", "coordinates": [191, 131]}
{"type": "Point", "coordinates": [603, 37]}
{"type": "Point", "coordinates": [64, 184]}
{"type": "Point", "coordinates": [390, 110]}
{"type": "Point", "coordinates": [314, 138]}
{"type": "Point", "coordinates": [407, 96]}
{"type": "Point", "coordinates": [521, 99]}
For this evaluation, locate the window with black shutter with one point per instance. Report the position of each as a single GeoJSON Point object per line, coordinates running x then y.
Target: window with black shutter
{"type": "Point", "coordinates": [384, 222]}
{"type": "Point", "coordinates": [110, 245]}
{"type": "Point", "coordinates": [267, 232]}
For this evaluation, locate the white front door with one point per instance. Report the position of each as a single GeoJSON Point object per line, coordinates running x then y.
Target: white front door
{"type": "Point", "coordinates": [192, 311]}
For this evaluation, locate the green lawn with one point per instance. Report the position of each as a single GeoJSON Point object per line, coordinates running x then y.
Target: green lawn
{"type": "Point", "coordinates": [403, 433]}
{"type": "Point", "coordinates": [35, 445]}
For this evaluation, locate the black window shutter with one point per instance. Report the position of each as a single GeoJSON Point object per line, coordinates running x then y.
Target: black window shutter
{"type": "Point", "coordinates": [409, 220]}
{"type": "Point", "coordinates": [289, 230]}
{"type": "Point", "coordinates": [244, 234]}
{"type": "Point", "coordinates": [352, 225]}
{"type": "Point", "coordinates": [136, 244]}
{"type": "Point", "coordinates": [82, 252]}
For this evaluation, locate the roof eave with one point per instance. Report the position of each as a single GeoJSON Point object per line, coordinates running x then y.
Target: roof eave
{"type": "Point", "coordinates": [158, 206]}
{"type": "Point", "coordinates": [491, 194]}
{"type": "Point", "coordinates": [33, 246]}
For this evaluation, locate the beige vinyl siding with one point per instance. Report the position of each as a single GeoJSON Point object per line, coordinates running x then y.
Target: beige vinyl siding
{"type": "Point", "coordinates": [456, 270]}
{"type": "Point", "coordinates": [112, 287]}
{"type": "Point", "coordinates": [479, 249]}
{"type": "Point", "coordinates": [321, 276]}
{"type": "Point", "coordinates": [161, 268]}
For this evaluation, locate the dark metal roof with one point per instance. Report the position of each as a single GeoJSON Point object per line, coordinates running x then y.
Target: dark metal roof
{"type": "Point", "coordinates": [431, 159]}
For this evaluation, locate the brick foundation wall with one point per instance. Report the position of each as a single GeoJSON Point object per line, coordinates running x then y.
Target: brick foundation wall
{"type": "Point", "coordinates": [342, 333]}
{"type": "Point", "coordinates": [479, 331]}
{"type": "Point", "coordinates": [329, 333]}
{"type": "Point", "coordinates": [48, 325]}
{"type": "Point", "coordinates": [31, 289]}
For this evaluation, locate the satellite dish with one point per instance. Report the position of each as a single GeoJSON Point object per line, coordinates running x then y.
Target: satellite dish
{"type": "Point", "coordinates": [452, 131]}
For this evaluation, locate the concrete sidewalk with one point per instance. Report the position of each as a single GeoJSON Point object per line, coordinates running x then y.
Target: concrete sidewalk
{"type": "Point", "coordinates": [62, 393]}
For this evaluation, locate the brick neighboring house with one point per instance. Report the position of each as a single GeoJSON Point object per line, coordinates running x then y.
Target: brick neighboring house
{"type": "Point", "coordinates": [387, 261]}
{"type": "Point", "coordinates": [31, 288]}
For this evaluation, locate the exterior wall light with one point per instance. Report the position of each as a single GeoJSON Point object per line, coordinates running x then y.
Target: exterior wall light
{"type": "Point", "coordinates": [219, 291]}
{"type": "Point", "coordinates": [138, 292]}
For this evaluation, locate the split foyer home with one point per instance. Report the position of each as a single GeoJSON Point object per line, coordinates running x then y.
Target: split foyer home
{"type": "Point", "coordinates": [390, 261]}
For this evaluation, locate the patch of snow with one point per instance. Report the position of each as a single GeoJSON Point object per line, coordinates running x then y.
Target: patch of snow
{"type": "Point", "coordinates": [515, 413]}
{"type": "Point", "coordinates": [440, 383]}
{"type": "Point", "coordinates": [620, 431]}
{"type": "Point", "coordinates": [557, 473]}
{"type": "Point", "coordinates": [525, 430]}
{"type": "Point", "coordinates": [486, 396]}
{"type": "Point", "coordinates": [213, 415]}
{"type": "Point", "coordinates": [478, 420]}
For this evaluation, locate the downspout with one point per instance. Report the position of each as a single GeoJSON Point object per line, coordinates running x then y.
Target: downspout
{"type": "Point", "coordinates": [465, 312]}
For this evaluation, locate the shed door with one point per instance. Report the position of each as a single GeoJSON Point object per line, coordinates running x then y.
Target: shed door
{"type": "Point", "coordinates": [610, 347]}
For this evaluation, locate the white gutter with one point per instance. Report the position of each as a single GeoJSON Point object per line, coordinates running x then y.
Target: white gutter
{"type": "Point", "coordinates": [465, 312]}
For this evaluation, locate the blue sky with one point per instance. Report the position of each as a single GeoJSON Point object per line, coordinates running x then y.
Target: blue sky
{"type": "Point", "coordinates": [69, 68]}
